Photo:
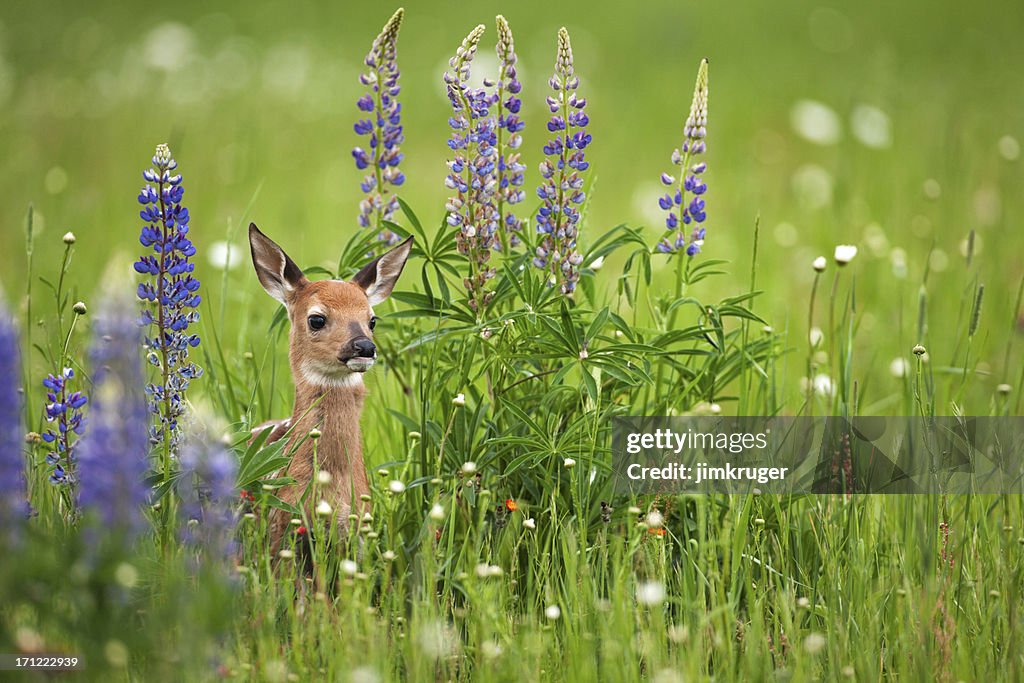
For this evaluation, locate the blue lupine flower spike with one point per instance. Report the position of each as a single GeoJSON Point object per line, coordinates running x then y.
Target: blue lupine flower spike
{"type": "Point", "coordinates": [13, 502]}
{"type": "Point", "coordinates": [207, 488]}
{"type": "Point", "coordinates": [65, 412]}
{"type": "Point", "coordinates": [113, 457]}
{"type": "Point", "coordinates": [472, 171]}
{"type": "Point", "coordinates": [510, 127]}
{"type": "Point", "coordinates": [684, 201]}
{"type": "Point", "coordinates": [169, 294]}
{"type": "Point", "coordinates": [383, 126]}
{"type": "Point", "coordinates": [562, 188]}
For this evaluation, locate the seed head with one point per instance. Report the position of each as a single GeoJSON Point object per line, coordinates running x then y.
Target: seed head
{"type": "Point", "coordinates": [819, 264]}
{"type": "Point", "coordinates": [919, 350]}
{"type": "Point", "coordinates": [79, 308]}
{"type": "Point", "coordinates": [69, 238]}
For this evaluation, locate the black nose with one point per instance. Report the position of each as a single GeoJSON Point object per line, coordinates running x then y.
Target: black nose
{"type": "Point", "coordinates": [365, 348]}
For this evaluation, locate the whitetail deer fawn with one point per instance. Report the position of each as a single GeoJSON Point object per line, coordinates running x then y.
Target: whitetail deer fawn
{"type": "Point", "coordinates": [330, 348]}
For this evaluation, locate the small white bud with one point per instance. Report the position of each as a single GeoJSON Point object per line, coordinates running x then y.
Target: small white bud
{"type": "Point", "coordinates": [437, 512]}
{"type": "Point", "coordinates": [845, 253]}
{"type": "Point", "coordinates": [459, 400]}
{"type": "Point", "coordinates": [79, 308]}
{"type": "Point", "coordinates": [349, 567]}
{"type": "Point", "coordinates": [529, 523]}
{"type": "Point", "coordinates": [819, 264]}
{"type": "Point", "coordinates": [396, 486]}
{"type": "Point", "coordinates": [468, 467]}
{"type": "Point", "coordinates": [285, 554]}
{"type": "Point", "coordinates": [324, 509]}
{"type": "Point", "coordinates": [323, 477]}
{"type": "Point", "coordinates": [389, 555]}
{"type": "Point", "coordinates": [69, 238]}
{"type": "Point", "coordinates": [569, 463]}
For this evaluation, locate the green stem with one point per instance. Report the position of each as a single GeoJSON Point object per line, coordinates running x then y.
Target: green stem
{"type": "Point", "coordinates": [810, 345]}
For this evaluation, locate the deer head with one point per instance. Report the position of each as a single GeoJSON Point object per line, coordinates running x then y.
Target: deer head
{"type": "Point", "coordinates": [332, 321]}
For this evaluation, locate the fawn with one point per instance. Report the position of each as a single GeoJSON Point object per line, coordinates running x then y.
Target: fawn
{"type": "Point", "coordinates": [330, 347]}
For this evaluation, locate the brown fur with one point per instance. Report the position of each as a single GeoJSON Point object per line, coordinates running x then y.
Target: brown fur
{"type": "Point", "coordinates": [327, 371]}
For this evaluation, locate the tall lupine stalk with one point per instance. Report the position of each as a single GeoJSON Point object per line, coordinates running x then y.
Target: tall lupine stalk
{"type": "Point", "coordinates": [685, 206]}
{"type": "Point", "coordinates": [65, 403]}
{"type": "Point", "coordinates": [562, 188]}
{"type": "Point", "coordinates": [472, 171]}
{"type": "Point", "coordinates": [208, 498]}
{"type": "Point", "coordinates": [113, 458]}
{"type": "Point", "coordinates": [510, 126]}
{"type": "Point", "coordinates": [384, 130]}
{"type": "Point", "coordinates": [170, 299]}
{"type": "Point", "coordinates": [12, 437]}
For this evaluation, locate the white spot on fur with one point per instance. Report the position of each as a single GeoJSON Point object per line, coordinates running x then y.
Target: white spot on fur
{"type": "Point", "coordinates": [336, 378]}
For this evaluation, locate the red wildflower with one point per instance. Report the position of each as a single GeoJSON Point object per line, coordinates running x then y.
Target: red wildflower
{"type": "Point", "coordinates": [511, 505]}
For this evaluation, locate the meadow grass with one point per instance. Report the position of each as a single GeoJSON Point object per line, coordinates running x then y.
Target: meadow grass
{"type": "Point", "coordinates": [444, 581]}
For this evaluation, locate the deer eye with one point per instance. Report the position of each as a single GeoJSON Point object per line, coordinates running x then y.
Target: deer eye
{"type": "Point", "coordinates": [316, 322]}
{"type": "Point", "coordinates": [373, 321]}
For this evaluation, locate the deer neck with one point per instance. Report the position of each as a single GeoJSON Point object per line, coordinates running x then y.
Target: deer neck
{"type": "Point", "coordinates": [334, 410]}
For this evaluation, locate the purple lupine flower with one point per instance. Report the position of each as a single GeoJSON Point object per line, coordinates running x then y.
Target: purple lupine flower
{"type": "Point", "coordinates": [13, 502]}
{"type": "Point", "coordinates": [171, 299]}
{"type": "Point", "coordinates": [472, 172]}
{"type": "Point", "coordinates": [562, 188]}
{"type": "Point", "coordinates": [64, 410]}
{"type": "Point", "coordinates": [112, 461]}
{"type": "Point", "coordinates": [384, 128]}
{"type": "Point", "coordinates": [208, 497]}
{"type": "Point", "coordinates": [684, 200]}
{"type": "Point", "coordinates": [510, 126]}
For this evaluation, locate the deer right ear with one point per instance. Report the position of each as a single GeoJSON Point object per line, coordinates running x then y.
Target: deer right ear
{"type": "Point", "coordinates": [277, 272]}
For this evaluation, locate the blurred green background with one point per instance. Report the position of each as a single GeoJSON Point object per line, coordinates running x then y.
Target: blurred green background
{"type": "Point", "coordinates": [893, 126]}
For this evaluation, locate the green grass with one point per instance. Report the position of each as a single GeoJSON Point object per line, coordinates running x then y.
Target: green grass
{"type": "Point", "coordinates": [755, 587]}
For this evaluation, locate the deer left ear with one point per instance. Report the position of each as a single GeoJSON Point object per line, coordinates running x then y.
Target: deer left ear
{"type": "Point", "coordinates": [378, 277]}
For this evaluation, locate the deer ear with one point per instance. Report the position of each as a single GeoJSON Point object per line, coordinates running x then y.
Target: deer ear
{"type": "Point", "coordinates": [277, 272]}
{"type": "Point", "coordinates": [378, 277]}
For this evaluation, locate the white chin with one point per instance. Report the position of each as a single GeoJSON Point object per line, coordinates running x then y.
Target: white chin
{"type": "Point", "coordinates": [359, 364]}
